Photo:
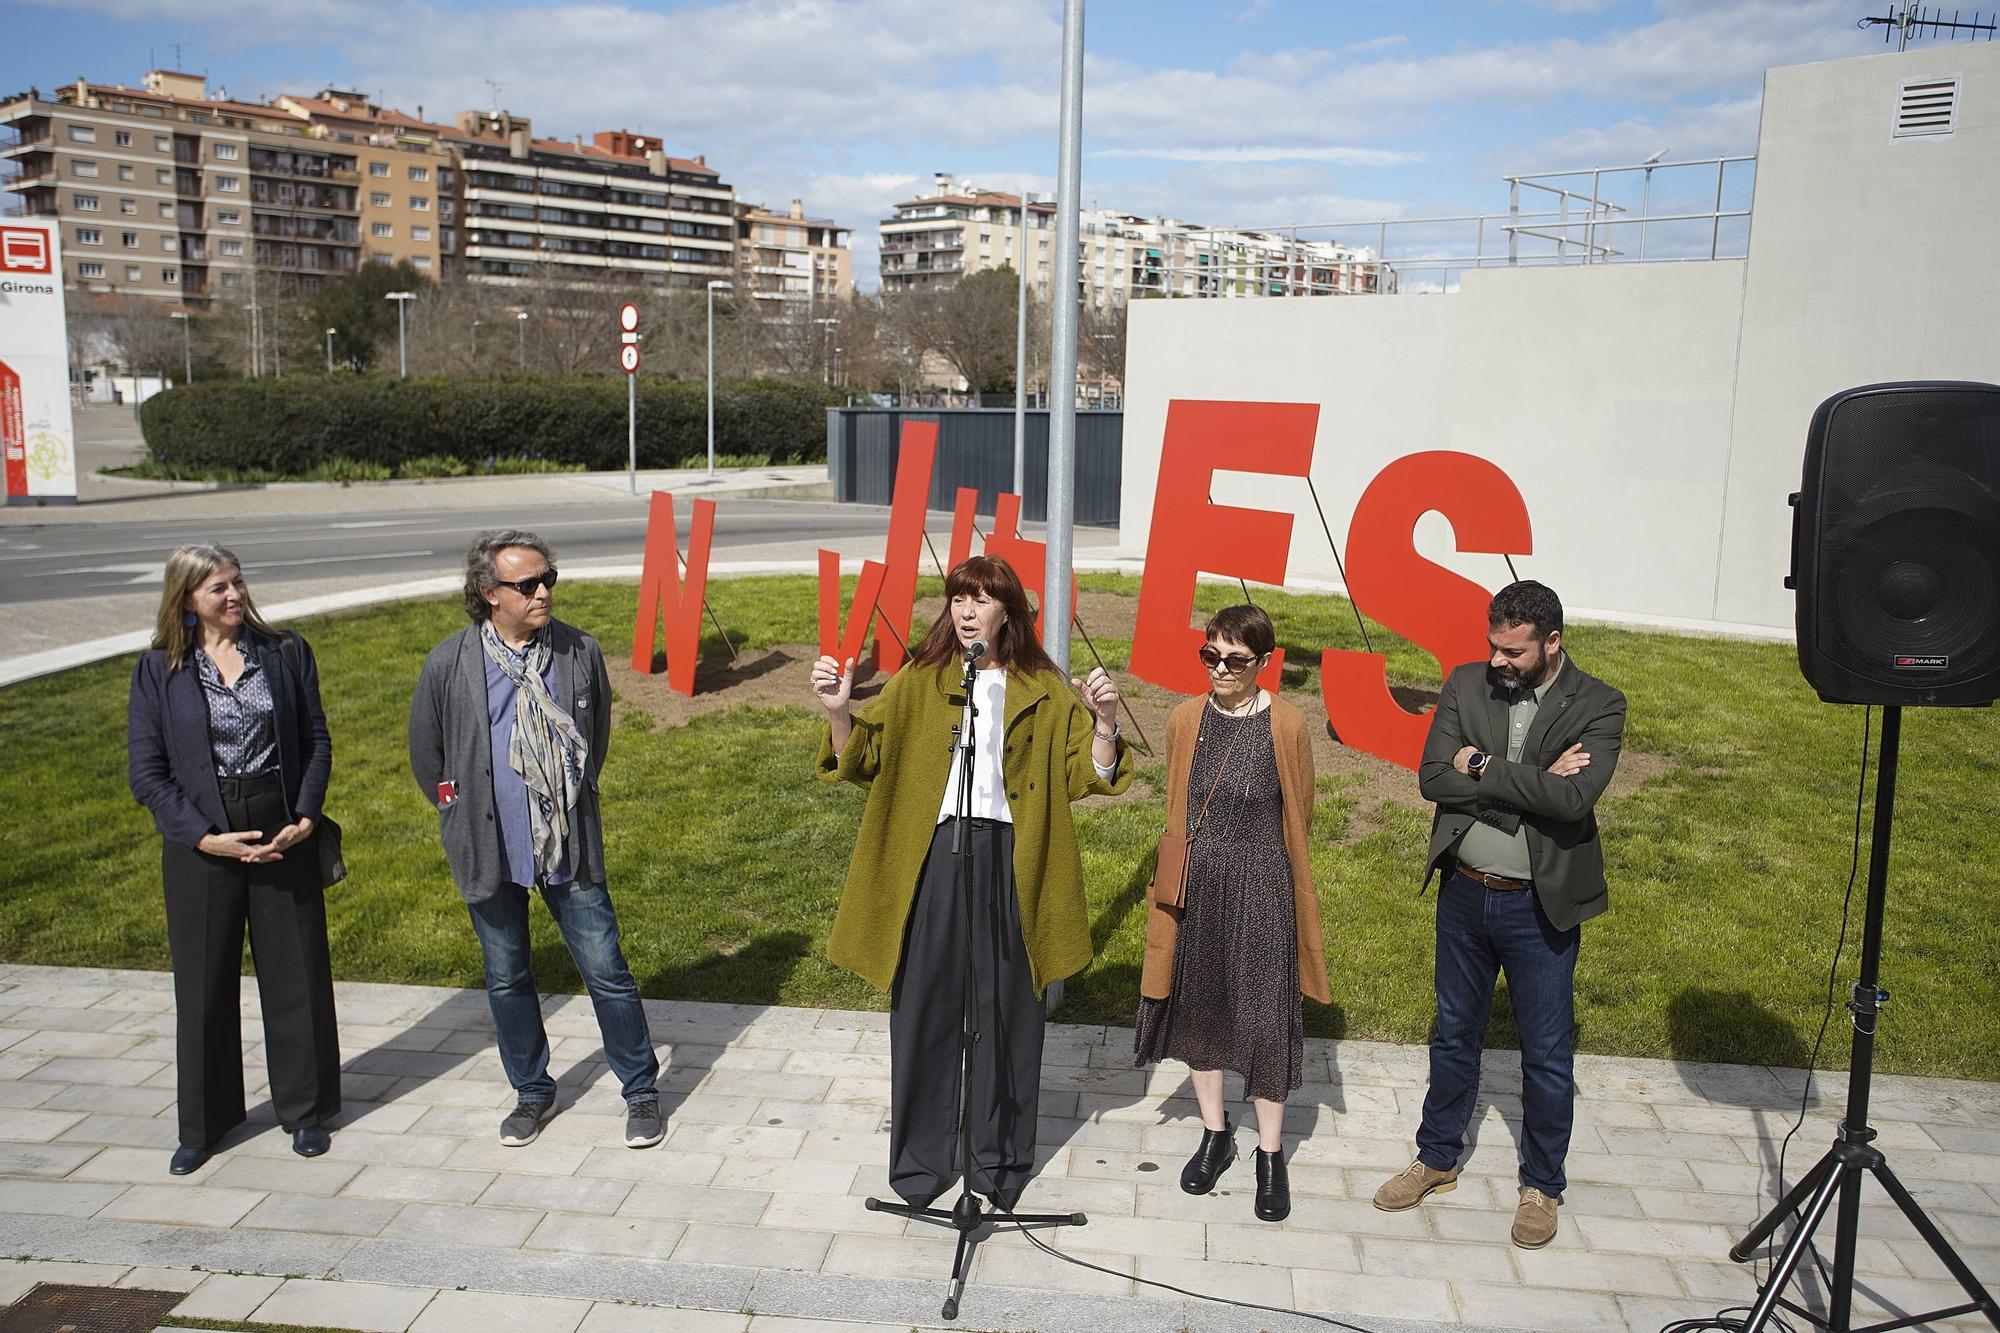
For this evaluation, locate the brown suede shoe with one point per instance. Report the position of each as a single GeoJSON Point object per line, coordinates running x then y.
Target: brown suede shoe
{"type": "Point", "coordinates": [1534, 1219]}
{"type": "Point", "coordinates": [1407, 1188]}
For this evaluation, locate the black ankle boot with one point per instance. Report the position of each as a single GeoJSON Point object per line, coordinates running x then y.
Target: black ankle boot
{"type": "Point", "coordinates": [1274, 1187]}
{"type": "Point", "coordinates": [1210, 1160]}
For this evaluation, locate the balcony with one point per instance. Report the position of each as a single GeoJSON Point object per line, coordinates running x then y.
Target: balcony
{"type": "Point", "coordinates": [28, 133]}
{"type": "Point", "coordinates": [28, 211]}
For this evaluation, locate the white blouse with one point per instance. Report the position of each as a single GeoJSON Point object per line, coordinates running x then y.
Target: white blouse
{"type": "Point", "coordinates": [989, 785]}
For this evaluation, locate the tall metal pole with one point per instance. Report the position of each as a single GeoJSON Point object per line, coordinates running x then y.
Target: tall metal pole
{"type": "Point", "coordinates": [632, 431]}
{"type": "Point", "coordinates": [402, 345]}
{"type": "Point", "coordinates": [711, 379]}
{"type": "Point", "coordinates": [329, 351]}
{"type": "Point", "coordinates": [1056, 608]}
{"type": "Point", "coordinates": [1021, 355]}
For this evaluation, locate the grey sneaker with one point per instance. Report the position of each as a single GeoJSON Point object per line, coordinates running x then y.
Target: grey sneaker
{"type": "Point", "coordinates": [644, 1126]}
{"type": "Point", "coordinates": [524, 1123]}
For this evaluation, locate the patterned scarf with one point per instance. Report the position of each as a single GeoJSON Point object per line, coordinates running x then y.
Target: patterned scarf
{"type": "Point", "coordinates": [547, 750]}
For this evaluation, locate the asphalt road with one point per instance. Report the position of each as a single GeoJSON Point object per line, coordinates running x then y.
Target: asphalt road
{"type": "Point", "coordinates": [69, 561]}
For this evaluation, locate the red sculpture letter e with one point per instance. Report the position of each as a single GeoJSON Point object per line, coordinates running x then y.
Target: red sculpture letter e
{"type": "Point", "coordinates": [1190, 535]}
{"type": "Point", "coordinates": [1425, 603]}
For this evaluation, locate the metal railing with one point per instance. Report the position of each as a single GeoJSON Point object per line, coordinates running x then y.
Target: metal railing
{"type": "Point", "coordinates": [1596, 222]}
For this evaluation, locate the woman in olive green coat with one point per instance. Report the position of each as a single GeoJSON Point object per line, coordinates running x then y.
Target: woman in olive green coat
{"type": "Point", "coordinates": [903, 914]}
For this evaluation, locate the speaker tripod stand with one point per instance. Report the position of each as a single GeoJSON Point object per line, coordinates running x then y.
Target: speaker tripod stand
{"type": "Point", "coordinates": [1841, 1171]}
{"type": "Point", "coordinates": [966, 1216]}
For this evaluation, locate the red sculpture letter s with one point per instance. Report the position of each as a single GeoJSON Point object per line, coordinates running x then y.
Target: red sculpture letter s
{"type": "Point", "coordinates": [1425, 603]}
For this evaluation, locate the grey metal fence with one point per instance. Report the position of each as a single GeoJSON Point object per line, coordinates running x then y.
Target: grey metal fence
{"type": "Point", "coordinates": [975, 448]}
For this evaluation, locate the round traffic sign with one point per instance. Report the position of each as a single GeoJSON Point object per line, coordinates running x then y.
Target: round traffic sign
{"type": "Point", "coordinates": [628, 317]}
{"type": "Point", "coordinates": [628, 357]}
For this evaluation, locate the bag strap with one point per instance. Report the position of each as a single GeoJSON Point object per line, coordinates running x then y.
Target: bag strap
{"type": "Point", "coordinates": [1202, 817]}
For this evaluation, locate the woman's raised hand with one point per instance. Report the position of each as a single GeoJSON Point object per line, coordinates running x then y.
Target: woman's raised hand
{"type": "Point", "coordinates": [832, 684]}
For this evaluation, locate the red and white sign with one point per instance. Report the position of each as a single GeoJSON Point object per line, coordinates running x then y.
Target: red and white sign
{"type": "Point", "coordinates": [24, 250]}
{"type": "Point", "coordinates": [37, 440]}
{"type": "Point", "coordinates": [628, 358]}
{"type": "Point", "coordinates": [628, 317]}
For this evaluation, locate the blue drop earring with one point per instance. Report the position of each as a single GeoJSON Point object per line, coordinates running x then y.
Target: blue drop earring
{"type": "Point", "coordinates": [190, 619]}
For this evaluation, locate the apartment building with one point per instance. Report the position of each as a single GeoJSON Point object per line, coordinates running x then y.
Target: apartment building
{"type": "Point", "coordinates": [580, 212]}
{"type": "Point", "coordinates": [791, 257]}
{"type": "Point", "coordinates": [167, 193]}
{"type": "Point", "coordinates": [935, 240]}
{"type": "Point", "coordinates": [409, 184]}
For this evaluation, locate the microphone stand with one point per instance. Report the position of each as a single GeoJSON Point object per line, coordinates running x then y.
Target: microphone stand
{"type": "Point", "coordinates": [966, 1216]}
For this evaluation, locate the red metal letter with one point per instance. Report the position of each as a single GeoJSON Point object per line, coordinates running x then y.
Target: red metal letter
{"type": "Point", "coordinates": [662, 594]}
{"type": "Point", "coordinates": [1425, 603]}
{"type": "Point", "coordinates": [1190, 535]}
{"type": "Point", "coordinates": [835, 642]}
{"type": "Point", "coordinates": [964, 510]}
{"type": "Point", "coordinates": [909, 507]}
{"type": "Point", "coordinates": [1029, 559]}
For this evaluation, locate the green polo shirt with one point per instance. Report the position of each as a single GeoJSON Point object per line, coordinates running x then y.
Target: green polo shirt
{"type": "Point", "coordinates": [1484, 847]}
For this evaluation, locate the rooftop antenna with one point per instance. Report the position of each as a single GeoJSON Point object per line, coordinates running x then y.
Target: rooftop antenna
{"type": "Point", "coordinates": [1910, 20]}
{"type": "Point", "coordinates": [496, 95]}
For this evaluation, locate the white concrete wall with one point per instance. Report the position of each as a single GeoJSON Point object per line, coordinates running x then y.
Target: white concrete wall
{"type": "Point", "coordinates": [1652, 416]}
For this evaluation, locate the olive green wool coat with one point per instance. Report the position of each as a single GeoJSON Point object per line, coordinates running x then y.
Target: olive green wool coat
{"type": "Point", "coordinates": [900, 751]}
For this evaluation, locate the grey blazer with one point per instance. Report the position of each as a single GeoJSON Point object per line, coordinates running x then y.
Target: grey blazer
{"type": "Point", "coordinates": [451, 741]}
{"type": "Point", "coordinates": [1558, 813]}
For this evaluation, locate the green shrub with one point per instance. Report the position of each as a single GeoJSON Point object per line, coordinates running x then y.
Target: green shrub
{"type": "Point", "coordinates": [349, 469]}
{"type": "Point", "coordinates": [290, 427]}
{"type": "Point", "coordinates": [432, 465]}
{"type": "Point", "coordinates": [517, 465]}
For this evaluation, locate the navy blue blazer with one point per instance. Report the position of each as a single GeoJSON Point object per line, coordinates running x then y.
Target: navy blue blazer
{"type": "Point", "coordinates": [170, 764]}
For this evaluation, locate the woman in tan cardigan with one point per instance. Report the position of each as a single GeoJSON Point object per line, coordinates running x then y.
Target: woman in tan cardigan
{"type": "Point", "coordinates": [1233, 943]}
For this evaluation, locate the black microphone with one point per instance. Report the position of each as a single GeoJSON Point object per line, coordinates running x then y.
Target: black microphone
{"type": "Point", "coordinates": [977, 649]}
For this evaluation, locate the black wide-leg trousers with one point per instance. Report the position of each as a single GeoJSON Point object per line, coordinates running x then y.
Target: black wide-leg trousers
{"type": "Point", "coordinates": [926, 1017]}
{"type": "Point", "coordinates": [210, 900]}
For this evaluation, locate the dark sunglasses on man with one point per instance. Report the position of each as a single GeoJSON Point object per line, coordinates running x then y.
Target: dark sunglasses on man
{"type": "Point", "coordinates": [1237, 663]}
{"type": "Point", "coordinates": [526, 587]}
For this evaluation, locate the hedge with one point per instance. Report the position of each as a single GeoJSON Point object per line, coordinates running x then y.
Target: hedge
{"type": "Point", "coordinates": [292, 425]}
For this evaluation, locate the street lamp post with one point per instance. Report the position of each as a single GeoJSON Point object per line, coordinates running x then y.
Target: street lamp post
{"type": "Point", "coordinates": [187, 344]}
{"type": "Point", "coordinates": [402, 300]}
{"type": "Point", "coordinates": [475, 342]}
{"type": "Point", "coordinates": [329, 349]}
{"type": "Point", "coordinates": [715, 285]}
{"type": "Point", "coordinates": [1646, 199]}
{"type": "Point", "coordinates": [826, 346]}
{"type": "Point", "coordinates": [1021, 351]}
{"type": "Point", "coordinates": [1100, 339]}
{"type": "Point", "coordinates": [521, 340]}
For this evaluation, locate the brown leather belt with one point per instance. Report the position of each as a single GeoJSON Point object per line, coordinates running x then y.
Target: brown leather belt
{"type": "Point", "coordinates": [1500, 882]}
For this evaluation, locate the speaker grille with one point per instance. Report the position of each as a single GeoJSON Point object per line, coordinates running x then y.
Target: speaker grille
{"type": "Point", "coordinates": [1905, 574]}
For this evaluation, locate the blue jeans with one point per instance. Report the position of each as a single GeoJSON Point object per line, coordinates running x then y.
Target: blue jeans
{"type": "Point", "coordinates": [590, 928]}
{"type": "Point", "coordinates": [1479, 932]}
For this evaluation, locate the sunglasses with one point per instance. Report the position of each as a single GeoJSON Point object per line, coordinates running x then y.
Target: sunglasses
{"type": "Point", "coordinates": [1237, 663]}
{"type": "Point", "coordinates": [526, 587]}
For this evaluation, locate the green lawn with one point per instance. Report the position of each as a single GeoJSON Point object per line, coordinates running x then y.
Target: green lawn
{"type": "Point", "coordinates": [726, 856]}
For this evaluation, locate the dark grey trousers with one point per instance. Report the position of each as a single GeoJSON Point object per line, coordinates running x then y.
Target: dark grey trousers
{"type": "Point", "coordinates": [210, 900]}
{"type": "Point", "coordinates": [926, 1016]}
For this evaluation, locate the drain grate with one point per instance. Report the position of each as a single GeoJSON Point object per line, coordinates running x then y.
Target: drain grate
{"type": "Point", "coordinates": [56, 1308]}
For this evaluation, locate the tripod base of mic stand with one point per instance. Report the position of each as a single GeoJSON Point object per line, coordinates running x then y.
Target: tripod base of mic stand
{"type": "Point", "coordinates": [1841, 1170]}
{"type": "Point", "coordinates": [966, 1217]}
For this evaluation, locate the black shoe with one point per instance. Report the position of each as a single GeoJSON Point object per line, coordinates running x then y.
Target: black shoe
{"type": "Point", "coordinates": [310, 1141]}
{"type": "Point", "coordinates": [187, 1161]}
{"type": "Point", "coordinates": [1210, 1160]}
{"type": "Point", "coordinates": [1274, 1186]}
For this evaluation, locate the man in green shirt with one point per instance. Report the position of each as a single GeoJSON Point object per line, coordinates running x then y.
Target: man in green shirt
{"type": "Point", "coordinates": [1520, 748]}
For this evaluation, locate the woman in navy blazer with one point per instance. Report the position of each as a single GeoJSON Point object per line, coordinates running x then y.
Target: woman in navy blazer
{"type": "Point", "coordinates": [227, 746]}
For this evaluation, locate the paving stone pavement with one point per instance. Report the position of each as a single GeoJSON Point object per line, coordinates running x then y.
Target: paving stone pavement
{"type": "Point", "coordinates": [749, 1218]}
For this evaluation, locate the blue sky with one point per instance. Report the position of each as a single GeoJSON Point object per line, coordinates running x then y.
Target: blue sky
{"type": "Point", "coordinates": [1237, 112]}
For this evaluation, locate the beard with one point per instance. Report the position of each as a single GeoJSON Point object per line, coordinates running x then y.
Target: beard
{"type": "Point", "coordinates": [1518, 678]}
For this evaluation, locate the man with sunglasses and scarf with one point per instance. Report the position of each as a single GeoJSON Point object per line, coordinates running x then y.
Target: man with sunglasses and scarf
{"type": "Point", "coordinates": [508, 731]}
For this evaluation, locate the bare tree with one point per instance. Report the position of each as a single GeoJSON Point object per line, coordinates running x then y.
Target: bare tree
{"type": "Point", "coordinates": [1100, 337]}
{"type": "Point", "coordinates": [970, 325]}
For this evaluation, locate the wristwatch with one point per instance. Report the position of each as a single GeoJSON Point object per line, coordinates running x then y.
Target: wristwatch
{"type": "Point", "coordinates": [1475, 763]}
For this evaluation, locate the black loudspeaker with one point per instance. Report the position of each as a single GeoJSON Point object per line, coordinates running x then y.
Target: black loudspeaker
{"type": "Point", "coordinates": [1896, 546]}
